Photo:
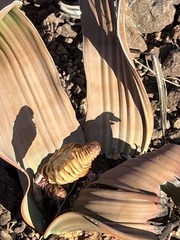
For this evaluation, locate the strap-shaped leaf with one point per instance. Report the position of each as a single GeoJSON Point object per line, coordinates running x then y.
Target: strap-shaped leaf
{"type": "Point", "coordinates": [118, 206]}
{"type": "Point", "coordinates": [146, 172]}
{"type": "Point", "coordinates": [129, 194]}
{"type": "Point", "coordinates": [73, 221]}
{"type": "Point", "coordinates": [36, 114]}
{"type": "Point", "coordinates": [119, 114]}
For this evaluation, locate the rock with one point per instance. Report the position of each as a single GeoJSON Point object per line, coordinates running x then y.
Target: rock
{"type": "Point", "coordinates": [5, 216]}
{"type": "Point", "coordinates": [168, 124]}
{"type": "Point", "coordinates": [61, 50]}
{"type": "Point", "coordinates": [171, 64]}
{"type": "Point", "coordinates": [77, 61]}
{"type": "Point", "coordinates": [67, 31]}
{"type": "Point", "coordinates": [70, 235]}
{"type": "Point", "coordinates": [51, 23]}
{"type": "Point", "coordinates": [68, 40]}
{"type": "Point", "coordinates": [9, 226]}
{"type": "Point", "coordinates": [83, 108]}
{"type": "Point", "coordinates": [69, 70]}
{"type": "Point", "coordinates": [53, 46]}
{"type": "Point", "coordinates": [79, 80]}
{"type": "Point", "coordinates": [134, 39]}
{"type": "Point", "coordinates": [64, 58]}
{"type": "Point", "coordinates": [176, 34]}
{"type": "Point", "coordinates": [4, 235]}
{"type": "Point", "coordinates": [155, 105]}
{"type": "Point", "coordinates": [151, 15]}
{"type": "Point", "coordinates": [173, 99]}
{"type": "Point", "coordinates": [176, 123]}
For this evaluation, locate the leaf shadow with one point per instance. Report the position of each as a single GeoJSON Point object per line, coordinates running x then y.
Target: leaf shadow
{"type": "Point", "coordinates": [103, 124]}
{"type": "Point", "coordinates": [24, 133]}
{"type": "Point", "coordinates": [90, 128]}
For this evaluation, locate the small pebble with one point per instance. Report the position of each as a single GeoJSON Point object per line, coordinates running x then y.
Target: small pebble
{"type": "Point", "coordinates": [177, 123]}
{"type": "Point", "coordinates": [69, 70]}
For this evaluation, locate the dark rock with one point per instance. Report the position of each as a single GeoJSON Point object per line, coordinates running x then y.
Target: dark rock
{"type": "Point", "coordinates": [61, 50]}
{"type": "Point", "coordinates": [53, 46]}
{"type": "Point", "coordinates": [56, 59]}
{"type": "Point", "coordinates": [77, 61]}
{"type": "Point", "coordinates": [171, 65]}
{"type": "Point", "coordinates": [69, 70]}
{"type": "Point", "coordinates": [164, 51]}
{"type": "Point", "coordinates": [64, 58]}
{"type": "Point", "coordinates": [79, 80]}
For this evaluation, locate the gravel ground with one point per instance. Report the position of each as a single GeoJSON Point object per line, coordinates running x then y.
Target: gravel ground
{"type": "Point", "coordinates": [63, 38]}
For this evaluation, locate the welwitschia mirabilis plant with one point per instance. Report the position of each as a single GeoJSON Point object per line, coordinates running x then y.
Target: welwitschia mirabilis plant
{"type": "Point", "coordinates": [37, 115]}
